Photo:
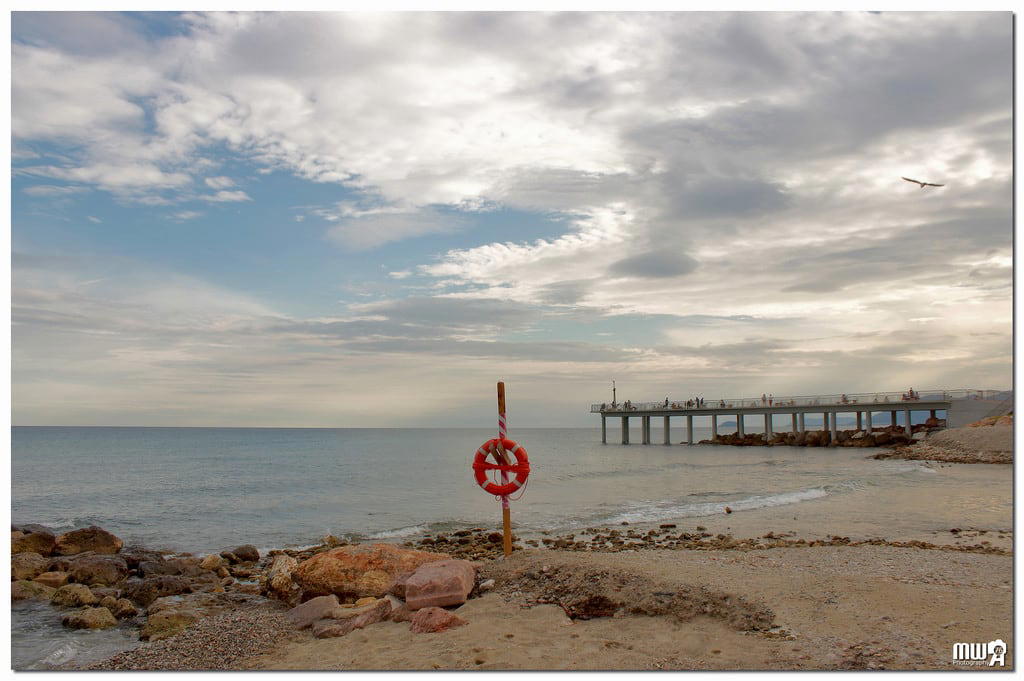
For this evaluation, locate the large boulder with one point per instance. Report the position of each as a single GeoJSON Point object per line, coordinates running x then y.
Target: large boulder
{"type": "Point", "coordinates": [73, 596]}
{"type": "Point", "coordinates": [358, 571]}
{"type": "Point", "coordinates": [442, 583]}
{"type": "Point", "coordinates": [189, 567]}
{"type": "Point", "coordinates": [136, 555]}
{"type": "Point", "coordinates": [40, 542]}
{"type": "Point", "coordinates": [24, 589]}
{"type": "Point", "coordinates": [98, 569]}
{"type": "Point", "coordinates": [378, 611]}
{"type": "Point", "coordinates": [145, 591]}
{"type": "Point", "coordinates": [167, 623]}
{"type": "Point", "coordinates": [28, 565]}
{"type": "Point", "coordinates": [432, 620]}
{"type": "Point", "coordinates": [90, 538]}
{"type": "Point", "coordinates": [90, 618]}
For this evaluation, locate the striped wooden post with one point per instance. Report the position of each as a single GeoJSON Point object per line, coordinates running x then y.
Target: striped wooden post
{"type": "Point", "coordinates": [506, 511]}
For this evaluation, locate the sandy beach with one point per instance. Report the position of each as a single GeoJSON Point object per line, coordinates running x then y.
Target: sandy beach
{"type": "Point", "coordinates": [831, 608]}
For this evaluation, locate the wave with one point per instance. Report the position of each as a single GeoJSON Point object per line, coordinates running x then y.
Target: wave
{"type": "Point", "coordinates": [672, 509]}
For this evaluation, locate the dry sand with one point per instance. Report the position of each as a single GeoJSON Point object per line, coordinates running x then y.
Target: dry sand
{"type": "Point", "coordinates": [972, 444]}
{"type": "Point", "coordinates": [833, 608]}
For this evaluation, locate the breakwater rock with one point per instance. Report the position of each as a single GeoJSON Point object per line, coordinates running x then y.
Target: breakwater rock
{"type": "Point", "coordinates": [887, 436]}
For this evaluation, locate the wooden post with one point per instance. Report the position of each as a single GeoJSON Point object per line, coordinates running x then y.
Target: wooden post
{"type": "Point", "coordinates": [506, 511]}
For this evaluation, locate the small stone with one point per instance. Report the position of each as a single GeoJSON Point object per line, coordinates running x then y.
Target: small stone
{"type": "Point", "coordinates": [433, 620]}
{"type": "Point", "coordinates": [486, 585]}
{"type": "Point", "coordinates": [28, 565]}
{"type": "Point", "coordinates": [90, 618]}
{"type": "Point", "coordinates": [728, 510]}
{"type": "Point", "coordinates": [211, 562]}
{"type": "Point", "coordinates": [24, 589]}
{"type": "Point", "coordinates": [108, 602]}
{"type": "Point", "coordinates": [365, 601]}
{"type": "Point", "coordinates": [53, 580]}
{"type": "Point", "coordinates": [314, 609]}
{"type": "Point", "coordinates": [123, 609]}
{"type": "Point", "coordinates": [246, 553]}
{"type": "Point", "coordinates": [167, 623]}
{"type": "Point", "coordinates": [73, 595]}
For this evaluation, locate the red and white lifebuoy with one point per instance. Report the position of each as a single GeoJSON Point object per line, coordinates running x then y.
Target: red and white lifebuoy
{"type": "Point", "coordinates": [521, 467]}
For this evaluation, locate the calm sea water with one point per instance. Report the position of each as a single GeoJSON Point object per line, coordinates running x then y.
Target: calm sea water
{"type": "Point", "coordinates": [207, 489]}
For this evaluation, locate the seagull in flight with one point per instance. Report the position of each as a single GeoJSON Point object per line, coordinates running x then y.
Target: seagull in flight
{"type": "Point", "coordinates": [923, 184]}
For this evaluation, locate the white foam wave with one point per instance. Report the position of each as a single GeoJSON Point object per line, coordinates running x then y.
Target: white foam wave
{"type": "Point", "coordinates": [400, 532]}
{"type": "Point", "coordinates": [667, 510]}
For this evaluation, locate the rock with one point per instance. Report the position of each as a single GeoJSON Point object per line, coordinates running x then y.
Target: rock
{"type": "Point", "coordinates": [42, 543]}
{"type": "Point", "coordinates": [147, 590]}
{"type": "Point", "coordinates": [432, 620]}
{"type": "Point", "coordinates": [728, 510]}
{"type": "Point", "coordinates": [167, 623]}
{"type": "Point", "coordinates": [246, 553]}
{"type": "Point", "coordinates": [486, 585]}
{"type": "Point", "coordinates": [378, 611]}
{"type": "Point", "coordinates": [321, 607]}
{"type": "Point", "coordinates": [24, 589]}
{"type": "Point", "coordinates": [98, 569]}
{"type": "Point", "coordinates": [229, 557]}
{"type": "Point", "coordinates": [211, 562]}
{"type": "Point", "coordinates": [279, 579]}
{"type": "Point", "coordinates": [123, 609]}
{"type": "Point", "coordinates": [223, 572]}
{"type": "Point", "coordinates": [53, 580]}
{"type": "Point", "coordinates": [91, 538]}
{"type": "Point", "coordinates": [90, 618]}
{"type": "Point", "coordinates": [188, 567]}
{"type": "Point", "coordinates": [73, 596]}
{"type": "Point", "coordinates": [919, 436]}
{"type": "Point", "coordinates": [441, 583]}
{"type": "Point", "coordinates": [397, 586]}
{"type": "Point", "coordinates": [358, 571]}
{"type": "Point", "coordinates": [134, 555]}
{"type": "Point", "coordinates": [27, 565]}
{"type": "Point", "coordinates": [108, 602]}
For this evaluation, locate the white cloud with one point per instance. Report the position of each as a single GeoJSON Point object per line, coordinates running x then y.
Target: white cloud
{"type": "Point", "coordinates": [227, 196]}
{"type": "Point", "coordinates": [373, 229]}
{"type": "Point", "coordinates": [184, 215]}
{"type": "Point", "coordinates": [219, 182]}
{"type": "Point", "coordinates": [94, 219]}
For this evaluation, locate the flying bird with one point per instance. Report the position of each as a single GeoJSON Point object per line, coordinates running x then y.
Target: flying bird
{"type": "Point", "coordinates": [923, 184]}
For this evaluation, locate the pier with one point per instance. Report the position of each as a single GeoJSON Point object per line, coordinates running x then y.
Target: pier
{"type": "Point", "coordinates": [870, 410]}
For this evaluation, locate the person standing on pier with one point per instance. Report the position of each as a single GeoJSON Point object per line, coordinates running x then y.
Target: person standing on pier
{"type": "Point", "coordinates": [764, 399]}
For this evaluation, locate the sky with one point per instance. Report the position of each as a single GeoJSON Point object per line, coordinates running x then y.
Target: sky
{"type": "Point", "coordinates": [365, 220]}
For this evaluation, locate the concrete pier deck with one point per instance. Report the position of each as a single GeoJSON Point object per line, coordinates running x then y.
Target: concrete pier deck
{"type": "Point", "coordinates": [870, 409]}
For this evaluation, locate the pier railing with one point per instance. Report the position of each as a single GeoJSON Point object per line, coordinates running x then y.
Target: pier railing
{"type": "Point", "coordinates": [894, 398]}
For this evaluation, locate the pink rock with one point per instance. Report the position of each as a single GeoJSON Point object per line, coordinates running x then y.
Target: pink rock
{"type": "Point", "coordinates": [446, 582]}
{"type": "Point", "coordinates": [432, 620]}
{"type": "Point", "coordinates": [312, 610]}
{"type": "Point", "coordinates": [330, 628]}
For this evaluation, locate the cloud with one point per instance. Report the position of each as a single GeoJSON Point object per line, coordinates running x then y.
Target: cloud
{"type": "Point", "coordinates": [219, 182]}
{"type": "Point", "coordinates": [52, 190]}
{"type": "Point", "coordinates": [184, 215]}
{"type": "Point", "coordinates": [367, 231]}
{"type": "Point", "coordinates": [227, 196]}
{"type": "Point", "coordinates": [655, 264]}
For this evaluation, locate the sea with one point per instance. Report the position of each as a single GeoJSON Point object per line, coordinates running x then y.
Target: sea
{"type": "Point", "coordinates": [208, 489]}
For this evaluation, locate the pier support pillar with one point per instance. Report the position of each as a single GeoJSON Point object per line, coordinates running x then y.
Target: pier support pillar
{"type": "Point", "coordinates": [625, 430]}
{"type": "Point", "coordinates": [604, 430]}
{"type": "Point", "coordinates": [689, 429]}
{"type": "Point", "coordinates": [906, 421]}
{"type": "Point", "coordinates": [767, 425]}
{"type": "Point", "coordinates": [645, 430]}
{"type": "Point", "coordinates": [892, 414]}
{"type": "Point", "coordinates": [794, 423]}
{"type": "Point", "coordinates": [932, 413]}
{"type": "Point", "coordinates": [868, 424]}
{"type": "Point", "coordinates": [859, 424]}
{"type": "Point", "coordinates": [714, 426]}
{"type": "Point", "coordinates": [739, 425]}
{"type": "Point", "coordinates": [834, 429]}
{"type": "Point", "coordinates": [800, 420]}
{"type": "Point", "coordinates": [668, 432]}
{"type": "Point", "coordinates": [824, 421]}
